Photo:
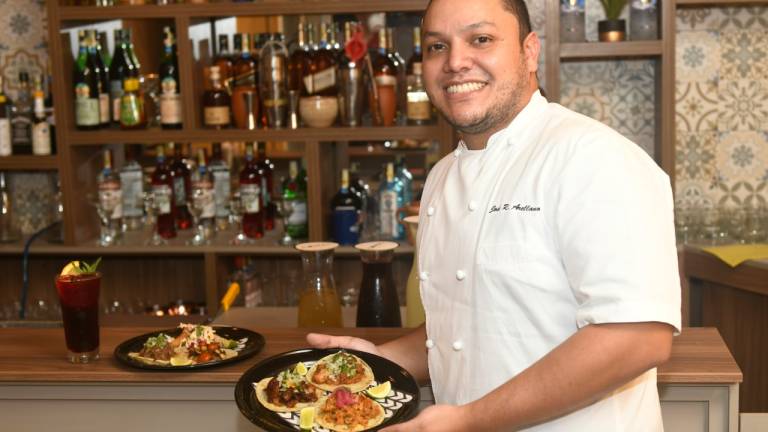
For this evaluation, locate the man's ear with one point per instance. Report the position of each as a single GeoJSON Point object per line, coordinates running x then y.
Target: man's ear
{"type": "Point", "coordinates": [531, 51]}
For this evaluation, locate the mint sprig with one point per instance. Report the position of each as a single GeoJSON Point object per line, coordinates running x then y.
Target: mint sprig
{"type": "Point", "coordinates": [89, 268]}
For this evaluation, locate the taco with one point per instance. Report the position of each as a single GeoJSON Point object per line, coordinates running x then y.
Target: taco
{"type": "Point", "coordinates": [341, 369]}
{"type": "Point", "coordinates": [346, 411]}
{"type": "Point", "coordinates": [288, 391]}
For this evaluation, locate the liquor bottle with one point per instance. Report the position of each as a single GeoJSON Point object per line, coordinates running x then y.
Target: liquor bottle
{"type": "Point", "coordinates": [273, 87]}
{"type": "Point", "coordinates": [170, 99]}
{"type": "Point", "coordinates": [390, 200]}
{"type": "Point", "coordinates": [350, 83]}
{"type": "Point", "coordinates": [41, 131]}
{"type": "Point", "coordinates": [383, 101]}
{"type": "Point", "coordinates": [418, 106]}
{"type": "Point", "coordinates": [94, 51]}
{"type": "Point", "coordinates": [251, 197]}
{"type": "Point", "coordinates": [110, 197]}
{"type": "Point", "coordinates": [203, 197]}
{"type": "Point", "coordinates": [132, 53]}
{"type": "Point", "coordinates": [221, 186]}
{"type": "Point", "coordinates": [8, 231]}
{"type": "Point", "coordinates": [399, 63]}
{"type": "Point", "coordinates": [266, 171]}
{"type": "Point", "coordinates": [162, 191]}
{"type": "Point", "coordinates": [320, 80]}
{"type": "Point", "coordinates": [346, 208]}
{"type": "Point", "coordinates": [5, 122]}
{"type": "Point", "coordinates": [244, 85]}
{"type": "Point", "coordinates": [132, 114]}
{"type": "Point", "coordinates": [216, 111]}
{"type": "Point", "coordinates": [132, 183]}
{"type": "Point", "coordinates": [121, 68]}
{"type": "Point", "coordinates": [102, 49]}
{"type": "Point", "coordinates": [22, 115]}
{"type": "Point", "coordinates": [333, 41]}
{"type": "Point", "coordinates": [181, 187]}
{"type": "Point", "coordinates": [224, 61]}
{"type": "Point", "coordinates": [50, 113]}
{"type": "Point", "coordinates": [299, 61]}
{"type": "Point", "coordinates": [237, 48]}
{"type": "Point", "coordinates": [405, 178]}
{"type": "Point", "coordinates": [416, 57]}
{"type": "Point", "coordinates": [86, 86]}
{"type": "Point", "coordinates": [295, 193]}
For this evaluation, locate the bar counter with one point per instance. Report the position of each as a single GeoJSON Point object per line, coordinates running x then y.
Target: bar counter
{"type": "Point", "coordinates": [39, 389]}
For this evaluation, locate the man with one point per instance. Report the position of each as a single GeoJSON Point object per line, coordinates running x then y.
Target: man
{"type": "Point", "coordinates": [546, 249]}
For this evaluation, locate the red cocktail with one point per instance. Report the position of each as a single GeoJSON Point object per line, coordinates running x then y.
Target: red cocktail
{"type": "Point", "coordinates": [79, 297]}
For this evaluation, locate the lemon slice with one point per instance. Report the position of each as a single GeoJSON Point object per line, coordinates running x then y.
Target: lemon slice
{"type": "Point", "coordinates": [380, 391]}
{"type": "Point", "coordinates": [72, 268]}
{"type": "Point", "coordinates": [180, 361]}
{"type": "Point", "coordinates": [300, 368]}
{"type": "Point", "coordinates": [307, 418]}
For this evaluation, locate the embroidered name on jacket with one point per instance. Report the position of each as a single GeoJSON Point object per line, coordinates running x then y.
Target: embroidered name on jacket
{"type": "Point", "coordinates": [516, 207]}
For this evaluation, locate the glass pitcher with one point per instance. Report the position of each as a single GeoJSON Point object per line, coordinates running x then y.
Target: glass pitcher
{"type": "Point", "coordinates": [378, 304]}
{"type": "Point", "coordinates": [319, 304]}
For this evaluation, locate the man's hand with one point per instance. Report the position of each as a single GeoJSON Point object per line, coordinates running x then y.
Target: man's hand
{"type": "Point", "coordinates": [348, 342]}
{"type": "Point", "coordinates": [438, 418]}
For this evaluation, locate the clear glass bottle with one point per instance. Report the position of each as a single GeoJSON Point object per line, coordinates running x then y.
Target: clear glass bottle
{"type": "Point", "coordinates": [132, 183]}
{"type": "Point", "coordinates": [390, 202]}
{"type": "Point", "coordinates": [203, 205]}
{"type": "Point", "coordinates": [110, 202]}
{"type": "Point", "coordinates": [378, 304]}
{"type": "Point", "coordinates": [319, 304]}
{"type": "Point", "coordinates": [405, 177]}
{"type": "Point", "coordinates": [273, 86]}
{"type": "Point", "coordinates": [221, 185]}
{"type": "Point", "coordinates": [643, 20]}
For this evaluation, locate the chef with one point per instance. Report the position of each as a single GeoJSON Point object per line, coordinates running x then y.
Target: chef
{"type": "Point", "coordinates": [547, 254]}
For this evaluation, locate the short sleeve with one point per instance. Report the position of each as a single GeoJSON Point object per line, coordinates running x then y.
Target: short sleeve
{"type": "Point", "coordinates": [615, 230]}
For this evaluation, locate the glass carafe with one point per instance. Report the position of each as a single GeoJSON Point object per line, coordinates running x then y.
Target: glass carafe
{"type": "Point", "coordinates": [319, 304]}
{"type": "Point", "coordinates": [378, 304]}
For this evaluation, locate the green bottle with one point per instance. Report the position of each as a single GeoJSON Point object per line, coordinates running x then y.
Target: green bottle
{"type": "Point", "coordinates": [295, 193]}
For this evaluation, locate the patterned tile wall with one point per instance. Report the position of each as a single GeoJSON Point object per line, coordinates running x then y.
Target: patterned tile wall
{"type": "Point", "coordinates": [24, 46]}
{"type": "Point", "coordinates": [722, 105]}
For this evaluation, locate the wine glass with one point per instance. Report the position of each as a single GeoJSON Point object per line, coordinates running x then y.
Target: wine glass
{"type": "Point", "coordinates": [197, 206]}
{"type": "Point", "coordinates": [150, 207]}
{"type": "Point", "coordinates": [284, 210]}
{"type": "Point", "coordinates": [108, 228]}
{"type": "Point", "coordinates": [236, 210]}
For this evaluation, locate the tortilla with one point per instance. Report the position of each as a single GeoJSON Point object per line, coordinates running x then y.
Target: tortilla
{"type": "Point", "coordinates": [372, 422]}
{"type": "Point", "coordinates": [261, 395]}
{"type": "Point", "coordinates": [358, 385]}
{"type": "Point", "coordinates": [147, 360]}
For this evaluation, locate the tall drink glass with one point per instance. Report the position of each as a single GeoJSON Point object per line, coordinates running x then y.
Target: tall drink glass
{"type": "Point", "coordinates": [79, 297]}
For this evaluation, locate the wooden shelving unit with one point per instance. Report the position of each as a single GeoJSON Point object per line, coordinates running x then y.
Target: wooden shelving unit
{"type": "Point", "coordinates": [28, 163]}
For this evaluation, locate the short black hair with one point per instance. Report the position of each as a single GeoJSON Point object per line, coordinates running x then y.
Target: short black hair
{"type": "Point", "coordinates": [519, 9]}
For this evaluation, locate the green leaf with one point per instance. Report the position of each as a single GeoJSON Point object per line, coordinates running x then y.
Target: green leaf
{"type": "Point", "coordinates": [89, 268]}
{"type": "Point", "coordinates": [613, 8]}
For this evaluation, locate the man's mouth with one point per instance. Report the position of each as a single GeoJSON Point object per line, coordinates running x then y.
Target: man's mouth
{"type": "Point", "coordinates": [465, 87]}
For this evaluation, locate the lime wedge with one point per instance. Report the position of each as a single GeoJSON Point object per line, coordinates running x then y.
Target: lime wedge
{"type": "Point", "coordinates": [380, 391]}
{"type": "Point", "coordinates": [301, 368]}
{"type": "Point", "coordinates": [307, 418]}
{"type": "Point", "coordinates": [72, 268]}
{"type": "Point", "coordinates": [180, 361]}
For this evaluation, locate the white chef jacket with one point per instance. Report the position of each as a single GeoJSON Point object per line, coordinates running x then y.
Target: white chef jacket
{"type": "Point", "coordinates": [558, 223]}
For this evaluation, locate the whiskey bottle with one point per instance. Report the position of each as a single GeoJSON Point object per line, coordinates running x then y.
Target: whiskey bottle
{"type": "Point", "coordinates": [399, 63]}
{"type": "Point", "coordinates": [299, 61]}
{"type": "Point", "coordinates": [383, 101]}
{"type": "Point", "coordinates": [41, 130]}
{"type": "Point", "coordinates": [216, 102]}
{"type": "Point", "coordinates": [320, 80]}
{"type": "Point", "coordinates": [224, 61]}
{"type": "Point", "coordinates": [170, 99]}
{"type": "Point", "coordinates": [244, 84]}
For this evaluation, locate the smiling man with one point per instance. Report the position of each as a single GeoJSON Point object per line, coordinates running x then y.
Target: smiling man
{"type": "Point", "coordinates": [547, 254]}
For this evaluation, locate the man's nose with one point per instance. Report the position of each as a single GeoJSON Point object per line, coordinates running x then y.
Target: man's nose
{"type": "Point", "coordinates": [459, 58]}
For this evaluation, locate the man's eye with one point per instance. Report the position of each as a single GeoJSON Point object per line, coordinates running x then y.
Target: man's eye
{"type": "Point", "coordinates": [483, 39]}
{"type": "Point", "coordinates": [435, 47]}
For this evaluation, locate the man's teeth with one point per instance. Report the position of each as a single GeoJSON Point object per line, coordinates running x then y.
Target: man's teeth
{"type": "Point", "coordinates": [466, 87]}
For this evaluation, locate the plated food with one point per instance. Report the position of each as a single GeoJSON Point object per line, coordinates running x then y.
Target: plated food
{"type": "Point", "coordinates": [341, 369]}
{"type": "Point", "coordinates": [194, 345]}
{"type": "Point", "coordinates": [288, 391]}
{"type": "Point", "coordinates": [346, 411]}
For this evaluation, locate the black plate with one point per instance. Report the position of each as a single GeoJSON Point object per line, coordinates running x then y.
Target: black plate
{"type": "Point", "coordinates": [383, 370]}
{"type": "Point", "coordinates": [254, 344]}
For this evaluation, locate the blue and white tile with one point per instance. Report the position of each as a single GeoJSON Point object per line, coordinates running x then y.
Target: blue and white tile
{"type": "Point", "coordinates": [742, 155]}
{"type": "Point", "coordinates": [743, 105]}
{"type": "Point", "coordinates": [697, 56]}
{"type": "Point", "coordinates": [696, 156]}
{"type": "Point", "coordinates": [744, 54]}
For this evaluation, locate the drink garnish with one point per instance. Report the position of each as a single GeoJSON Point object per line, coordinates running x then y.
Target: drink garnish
{"type": "Point", "coordinates": [74, 268]}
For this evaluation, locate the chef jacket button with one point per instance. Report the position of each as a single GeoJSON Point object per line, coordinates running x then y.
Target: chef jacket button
{"type": "Point", "coordinates": [429, 343]}
{"type": "Point", "coordinates": [423, 276]}
{"type": "Point", "coordinates": [458, 345]}
{"type": "Point", "coordinates": [430, 211]}
{"type": "Point", "coordinates": [472, 205]}
{"type": "Point", "coordinates": [461, 274]}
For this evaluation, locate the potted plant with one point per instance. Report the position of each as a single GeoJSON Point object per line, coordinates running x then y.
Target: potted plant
{"type": "Point", "coordinates": [612, 29]}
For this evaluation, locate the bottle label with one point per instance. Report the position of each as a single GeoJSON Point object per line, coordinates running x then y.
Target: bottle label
{"type": "Point", "coordinates": [299, 214]}
{"type": "Point", "coordinates": [170, 102]}
{"type": "Point", "coordinates": [5, 137]}
{"type": "Point", "coordinates": [111, 199]}
{"type": "Point", "coordinates": [179, 191]}
{"type": "Point", "coordinates": [130, 114]}
{"type": "Point", "coordinates": [21, 130]}
{"type": "Point", "coordinates": [116, 93]}
{"type": "Point", "coordinates": [221, 188]}
{"type": "Point", "coordinates": [204, 200]}
{"type": "Point", "coordinates": [345, 225]}
{"type": "Point", "coordinates": [104, 107]}
{"type": "Point", "coordinates": [162, 195]}
{"type": "Point", "coordinates": [388, 214]}
{"type": "Point", "coordinates": [216, 116]}
{"type": "Point", "coordinates": [418, 107]}
{"type": "Point", "coordinates": [249, 197]}
{"type": "Point", "coordinates": [86, 107]}
{"type": "Point", "coordinates": [41, 138]}
{"type": "Point", "coordinates": [133, 193]}
{"type": "Point", "coordinates": [321, 80]}
{"type": "Point", "coordinates": [386, 80]}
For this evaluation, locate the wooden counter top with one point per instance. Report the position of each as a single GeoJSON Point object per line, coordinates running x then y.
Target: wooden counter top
{"type": "Point", "coordinates": [38, 355]}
